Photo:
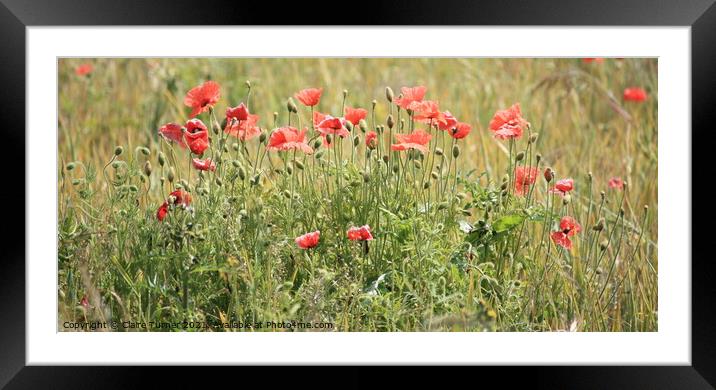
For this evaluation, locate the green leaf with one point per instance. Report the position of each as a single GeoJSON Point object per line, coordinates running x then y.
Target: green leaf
{"type": "Point", "coordinates": [507, 222]}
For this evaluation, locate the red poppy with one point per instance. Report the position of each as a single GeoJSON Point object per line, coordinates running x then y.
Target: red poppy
{"type": "Point", "coordinates": [616, 182]}
{"type": "Point", "coordinates": [203, 165]}
{"type": "Point", "coordinates": [635, 94]}
{"type": "Point", "coordinates": [288, 138]}
{"type": "Point", "coordinates": [84, 302]}
{"type": "Point", "coordinates": [410, 95]}
{"type": "Point", "coordinates": [562, 187]}
{"type": "Point", "coordinates": [173, 132]}
{"type": "Point", "coordinates": [359, 233]}
{"type": "Point", "coordinates": [202, 97]}
{"type": "Point", "coordinates": [449, 123]}
{"type": "Point", "coordinates": [244, 129]}
{"type": "Point", "coordinates": [371, 139]}
{"type": "Point", "coordinates": [524, 177]}
{"type": "Point", "coordinates": [508, 123]}
{"type": "Point", "coordinates": [180, 197]}
{"type": "Point", "coordinates": [308, 240]}
{"type": "Point", "coordinates": [460, 131]}
{"type": "Point", "coordinates": [596, 60]}
{"type": "Point", "coordinates": [428, 111]}
{"type": "Point", "coordinates": [568, 228]}
{"type": "Point", "coordinates": [162, 211]}
{"type": "Point", "coordinates": [354, 115]}
{"type": "Point", "coordinates": [240, 113]}
{"type": "Point", "coordinates": [84, 69]}
{"type": "Point", "coordinates": [416, 140]}
{"type": "Point", "coordinates": [331, 125]}
{"type": "Point", "coordinates": [309, 96]}
{"type": "Point", "coordinates": [196, 136]}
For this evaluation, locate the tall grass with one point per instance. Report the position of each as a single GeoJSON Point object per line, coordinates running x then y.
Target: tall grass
{"type": "Point", "coordinates": [455, 248]}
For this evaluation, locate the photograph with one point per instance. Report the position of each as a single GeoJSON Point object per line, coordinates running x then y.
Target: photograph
{"type": "Point", "coordinates": [357, 194]}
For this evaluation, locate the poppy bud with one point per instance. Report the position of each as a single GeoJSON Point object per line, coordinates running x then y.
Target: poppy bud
{"type": "Point", "coordinates": [589, 176]}
{"type": "Point", "coordinates": [385, 158]}
{"type": "Point", "coordinates": [402, 122]}
{"type": "Point", "coordinates": [443, 206]}
{"type": "Point", "coordinates": [275, 116]}
{"type": "Point", "coordinates": [289, 168]}
{"type": "Point", "coordinates": [566, 199]}
{"type": "Point", "coordinates": [621, 212]}
{"type": "Point", "coordinates": [116, 164]}
{"type": "Point", "coordinates": [216, 127]}
{"type": "Point", "coordinates": [287, 194]}
{"type": "Point", "coordinates": [299, 164]}
{"type": "Point", "coordinates": [147, 168]}
{"type": "Point", "coordinates": [356, 140]}
{"type": "Point", "coordinates": [70, 166]}
{"type": "Point", "coordinates": [319, 154]}
{"type": "Point", "coordinates": [466, 213]}
{"type": "Point", "coordinates": [133, 188]}
{"type": "Point", "coordinates": [438, 152]}
{"type": "Point", "coordinates": [170, 175]}
{"type": "Point", "coordinates": [248, 84]}
{"type": "Point", "coordinates": [373, 103]}
{"type": "Point", "coordinates": [162, 180]}
{"type": "Point", "coordinates": [76, 182]}
{"type": "Point", "coordinates": [503, 193]}
{"type": "Point", "coordinates": [389, 94]}
{"type": "Point", "coordinates": [363, 126]}
{"type": "Point", "coordinates": [291, 106]}
{"type": "Point", "coordinates": [520, 156]}
{"type": "Point", "coordinates": [395, 168]}
{"type": "Point", "coordinates": [161, 158]}
{"type": "Point", "coordinates": [434, 175]}
{"type": "Point", "coordinates": [538, 158]}
{"type": "Point", "coordinates": [329, 138]}
{"type": "Point", "coordinates": [366, 176]}
{"type": "Point", "coordinates": [599, 226]}
{"type": "Point", "coordinates": [602, 194]}
{"type": "Point", "coordinates": [345, 93]}
{"type": "Point", "coordinates": [242, 173]}
{"type": "Point", "coordinates": [235, 146]}
{"type": "Point", "coordinates": [256, 180]}
{"type": "Point", "coordinates": [455, 151]}
{"type": "Point", "coordinates": [603, 246]}
{"type": "Point", "coordinates": [505, 178]}
{"type": "Point", "coordinates": [262, 137]}
{"type": "Point", "coordinates": [390, 122]}
{"type": "Point", "coordinates": [349, 126]}
{"type": "Point", "coordinates": [426, 185]}
{"type": "Point", "coordinates": [533, 138]}
{"type": "Point", "coordinates": [145, 151]}
{"type": "Point", "coordinates": [417, 164]}
{"type": "Point", "coordinates": [503, 186]}
{"type": "Point", "coordinates": [118, 150]}
{"type": "Point", "coordinates": [548, 174]}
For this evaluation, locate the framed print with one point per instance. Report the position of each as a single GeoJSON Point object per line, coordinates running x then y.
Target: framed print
{"type": "Point", "coordinates": [445, 192]}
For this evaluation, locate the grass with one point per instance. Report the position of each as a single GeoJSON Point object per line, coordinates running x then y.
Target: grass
{"type": "Point", "coordinates": [455, 247]}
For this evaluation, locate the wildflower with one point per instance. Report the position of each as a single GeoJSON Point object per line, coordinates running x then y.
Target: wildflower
{"type": "Point", "coordinates": [162, 211]}
{"type": "Point", "coordinates": [410, 95]}
{"type": "Point", "coordinates": [308, 240]}
{"type": "Point", "coordinates": [616, 182]}
{"type": "Point", "coordinates": [244, 129]}
{"type": "Point", "coordinates": [332, 125]}
{"type": "Point", "coordinates": [428, 111]}
{"type": "Point", "coordinates": [354, 115]}
{"type": "Point", "coordinates": [196, 136]}
{"type": "Point", "coordinates": [359, 233]}
{"type": "Point", "coordinates": [508, 123]}
{"type": "Point", "coordinates": [371, 139]}
{"type": "Point", "coordinates": [84, 69]}
{"type": "Point", "coordinates": [288, 138]}
{"type": "Point", "coordinates": [562, 187]}
{"type": "Point", "coordinates": [310, 96]}
{"type": "Point", "coordinates": [449, 123]}
{"type": "Point", "coordinates": [173, 132]}
{"type": "Point", "coordinates": [548, 174]}
{"type": "Point", "coordinates": [635, 94]}
{"type": "Point", "coordinates": [568, 228]}
{"type": "Point", "coordinates": [460, 131]}
{"type": "Point", "coordinates": [204, 165]}
{"type": "Point", "coordinates": [202, 97]}
{"type": "Point", "coordinates": [240, 113]}
{"type": "Point", "coordinates": [180, 197]}
{"type": "Point", "coordinates": [595, 60]}
{"type": "Point", "coordinates": [84, 302]}
{"type": "Point", "coordinates": [416, 140]}
{"type": "Point", "coordinates": [524, 177]}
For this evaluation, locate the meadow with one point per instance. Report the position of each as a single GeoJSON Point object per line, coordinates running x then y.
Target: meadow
{"type": "Point", "coordinates": [359, 194]}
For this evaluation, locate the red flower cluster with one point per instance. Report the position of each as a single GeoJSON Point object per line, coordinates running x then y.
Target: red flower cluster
{"type": "Point", "coordinates": [568, 228]}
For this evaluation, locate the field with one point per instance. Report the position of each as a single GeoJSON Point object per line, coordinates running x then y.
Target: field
{"type": "Point", "coordinates": [427, 222]}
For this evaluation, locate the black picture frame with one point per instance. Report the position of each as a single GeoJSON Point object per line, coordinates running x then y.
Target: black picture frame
{"type": "Point", "coordinates": [16, 15]}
